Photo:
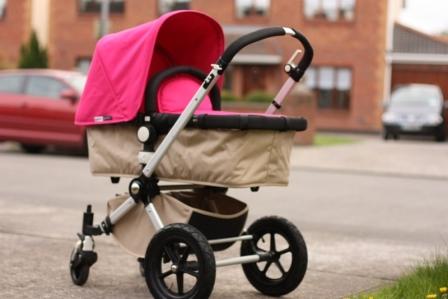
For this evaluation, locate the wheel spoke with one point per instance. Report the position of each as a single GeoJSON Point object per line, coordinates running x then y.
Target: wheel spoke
{"type": "Point", "coordinates": [191, 272]}
{"type": "Point", "coordinates": [173, 256]}
{"type": "Point", "coordinates": [281, 252]}
{"type": "Point", "coordinates": [167, 273]}
{"type": "Point", "coordinates": [280, 267]}
{"type": "Point", "coordinates": [185, 254]}
{"type": "Point", "coordinates": [273, 247]}
{"type": "Point", "coordinates": [266, 267]}
{"type": "Point", "coordinates": [180, 283]}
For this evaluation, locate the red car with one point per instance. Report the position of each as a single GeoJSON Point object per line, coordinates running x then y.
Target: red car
{"type": "Point", "coordinates": [37, 108]}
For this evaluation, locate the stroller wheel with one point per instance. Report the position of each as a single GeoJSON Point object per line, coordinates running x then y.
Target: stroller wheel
{"type": "Point", "coordinates": [141, 266]}
{"type": "Point", "coordinates": [79, 271]}
{"type": "Point", "coordinates": [286, 267]}
{"type": "Point", "coordinates": [179, 263]}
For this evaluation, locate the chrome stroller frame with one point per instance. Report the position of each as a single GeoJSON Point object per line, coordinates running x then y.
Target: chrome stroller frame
{"type": "Point", "coordinates": [143, 188]}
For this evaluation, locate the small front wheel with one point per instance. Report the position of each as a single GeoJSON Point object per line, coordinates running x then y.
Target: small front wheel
{"type": "Point", "coordinates": [285, 267]}
{"type": "Point", "coordinates": [179, 264]}
{"type": "Point", "coordinates": [79, 271]}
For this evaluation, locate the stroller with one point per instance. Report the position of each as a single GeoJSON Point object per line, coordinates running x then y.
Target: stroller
{"type": "Point", "coordinates": [153, 112]}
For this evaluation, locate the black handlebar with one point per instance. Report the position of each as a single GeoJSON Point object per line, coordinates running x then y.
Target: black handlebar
{"type": "Point", "coordinates": [258, 35]}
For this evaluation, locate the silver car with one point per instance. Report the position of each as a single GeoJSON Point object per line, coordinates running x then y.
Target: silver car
{"type": "Point", "coordinates": [415, 109]}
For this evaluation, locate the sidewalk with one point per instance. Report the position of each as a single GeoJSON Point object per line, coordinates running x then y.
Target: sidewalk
{"type": "Point", "coordinates": [409, 157]}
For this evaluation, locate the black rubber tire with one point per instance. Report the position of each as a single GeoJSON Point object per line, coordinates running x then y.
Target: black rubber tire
{"type": "Point", "coordinates": [141, 266]}
{"type": "Point", "coordinates": [79, 271]}
{"type": "Point", "coordinates": [440, 135]}
{"type": "Point", "coordinates": [165, 247]}
{"type": "Point", "coordinates": [386, 135]}
{"type": "Point", "coordinates": [291, 278]}
{"type": "Point", "coordinates": [32, 149]}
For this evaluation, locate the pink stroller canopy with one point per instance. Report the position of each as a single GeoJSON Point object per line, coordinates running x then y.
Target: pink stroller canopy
{"type": "Point", "coordinates": [124, 62]}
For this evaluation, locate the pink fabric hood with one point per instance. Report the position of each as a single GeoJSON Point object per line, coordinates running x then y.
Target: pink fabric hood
{"type": "Point", "coordinates": [123, 63]}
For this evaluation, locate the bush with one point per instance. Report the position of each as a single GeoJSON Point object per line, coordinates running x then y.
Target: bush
{"type": "Point", "coordinates": [227, 96]}
{"type": "Point", "coordinates": [32, 55]}
{"type": "Point", "coordinates": [259, 96]}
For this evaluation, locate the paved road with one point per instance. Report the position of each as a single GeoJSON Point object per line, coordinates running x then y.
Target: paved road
{"type": "Point", "coordinates": [363, 228]}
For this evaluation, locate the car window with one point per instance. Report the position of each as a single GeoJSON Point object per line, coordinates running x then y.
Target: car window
{"type": "Point", "coordinates": [417, 96]}
{"type": "Point", "coordinates": [41, 86]}
{"type": "Point", "coordinates": [11, 84]}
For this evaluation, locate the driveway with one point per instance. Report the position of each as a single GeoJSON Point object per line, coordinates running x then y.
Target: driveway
{"type": "Point", "coordinates": [365, 220]}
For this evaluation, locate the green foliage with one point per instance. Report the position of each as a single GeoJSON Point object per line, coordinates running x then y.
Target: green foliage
{"type": "Point", "coordinates": [228, 96]}
{"type": "Point", "coordinates": [259, 96]}
{"type": "Point", "coordinates": [331, 139]}
{"type": "Point", "coordinates": [422, 281]}
{"type": "Point", "coordinates": [32, 55]}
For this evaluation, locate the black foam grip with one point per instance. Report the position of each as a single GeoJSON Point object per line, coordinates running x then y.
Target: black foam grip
{"type": "Point", "coordinates": [164, 121]}
{"type": "Point", "coordinates": [245, 40]}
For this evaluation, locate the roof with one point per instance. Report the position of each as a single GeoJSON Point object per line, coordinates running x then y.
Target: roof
{"type": "Point", "coordinates": [408, 40]}
{"type": "Point", "coordinates": [411, 46]}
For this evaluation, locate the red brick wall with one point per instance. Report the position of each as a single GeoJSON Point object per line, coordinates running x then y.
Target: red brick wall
{"type": "Point", "coordinates": [14, 31]}
{"type": "Point", "coordinates": [73, 33]}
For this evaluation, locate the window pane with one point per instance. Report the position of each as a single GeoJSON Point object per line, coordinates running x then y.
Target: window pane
{"type": "Point", "coordinates": [45, 87]}
{"type": "Point", "coordinates": [83, 64]}
{"type": "Point", "coordinates": [311, 8]}
{"type": "Point", "coordinates": [2, 8]}
{"type": "Point", "coordinates": [330, 9]}
{"type": "Point", "coordinates": [310, 77]}
{"type": "Point", "coordinates": [347, 9]}
{"type": "Point", "coordinates": [344, 79]}
{"type": "Point", "coordinates": [11, 84]}
{"type": "Point", "coordinates": [325, 98]}
{"type": "Point", "coordinates": [343, 99]}
{"type": "Point", "coordinates": [252, 7]}
{"type": "Point", "coordinates": [170, 5]}
{"type": "Point", "coordinates": [95, 5]}
{"type": "Point", "coordinates": [326, 78]}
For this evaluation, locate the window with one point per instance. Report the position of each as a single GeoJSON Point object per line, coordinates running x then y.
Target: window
{"type": "Point", "coordinates": [330, 10]}
{"type": "Point", "coordinates": [245, 8]}
{"type": "Point", "coordinates": [115, 6]}
{"type": "Point", "coordinates": [83, 64]}
{"type": "Point", "coordinates": [11, 84]}
{"type": "Point", "coordinates": [332, 86]}
{"type": "Point", "coordinates": [45, 87]}
{"type": "Point", "coordinates": [170, 5]}
{"type": "Point", "coordinates": [2, 8]}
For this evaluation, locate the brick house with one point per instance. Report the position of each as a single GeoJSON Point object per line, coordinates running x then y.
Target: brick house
{"type": "Point", "coordinates": [350, 38]}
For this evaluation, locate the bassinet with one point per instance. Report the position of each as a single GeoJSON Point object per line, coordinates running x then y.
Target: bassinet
{"type": "Point", "coordinates": [218, 148]}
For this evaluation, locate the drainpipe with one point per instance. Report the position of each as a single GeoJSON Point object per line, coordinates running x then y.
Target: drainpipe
{"type": "Point", "coordinates": [104, 17]}
{"type": "Point", "coordinates": [389, 48]}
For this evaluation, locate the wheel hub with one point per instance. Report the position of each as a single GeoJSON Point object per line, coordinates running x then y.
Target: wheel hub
{"type": "Point", "coordinates": [174, 268]}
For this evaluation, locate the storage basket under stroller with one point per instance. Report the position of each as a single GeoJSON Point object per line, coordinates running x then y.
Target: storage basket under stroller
{"type": "Point", "coordinates": [153, 114]}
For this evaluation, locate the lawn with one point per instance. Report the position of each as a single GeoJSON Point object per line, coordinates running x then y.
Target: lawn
{"type": "Point", "coordinates": [321, 139]}
{"type": "Point", "coordinates": [428, 280]}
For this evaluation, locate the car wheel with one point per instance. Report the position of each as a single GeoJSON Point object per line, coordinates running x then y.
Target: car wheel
{"type": "Point", "coordinates": [386, 135]}
{"type": "Point", "coordinates": [33, 149]}
{"type": "Point", "coordinates": [440, 136]}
